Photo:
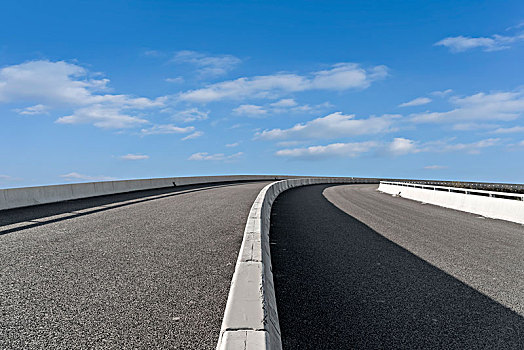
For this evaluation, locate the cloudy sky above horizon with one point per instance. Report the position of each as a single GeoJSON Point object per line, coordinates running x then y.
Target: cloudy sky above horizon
{"type": "Point", "coordinates": [94, 90]}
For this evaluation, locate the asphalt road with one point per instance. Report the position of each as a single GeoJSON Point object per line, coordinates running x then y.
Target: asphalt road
{"type": "Point", "coordinates": [358, 269]}
{"type": "Point", "coordinates": [146, 270]}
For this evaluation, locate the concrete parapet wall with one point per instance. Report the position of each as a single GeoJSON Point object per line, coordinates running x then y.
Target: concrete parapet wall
{"type": "Point", "coordinates": [251, 319]}
{"type": "Point", "coordinates": [27, 196]}
{"type": "Point", "coordinates": [496, 205]}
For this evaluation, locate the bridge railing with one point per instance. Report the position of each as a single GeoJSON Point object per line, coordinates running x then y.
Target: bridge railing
{"type": "Point", "coordinates": [463, 190]}
{"type": "Point", "coordinates": [486, 186]}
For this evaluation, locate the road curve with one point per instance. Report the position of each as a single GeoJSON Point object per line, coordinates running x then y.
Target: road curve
{"type": "Point", "coordinates": [145, 270]}
{"type": "Point", "coordinates": [355, 268]}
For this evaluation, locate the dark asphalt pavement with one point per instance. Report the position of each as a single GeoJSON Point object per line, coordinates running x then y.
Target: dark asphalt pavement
{"type": "Point", "coordinates": [145, 270]}
{"type": "Point", "coordinates": [365, 270]}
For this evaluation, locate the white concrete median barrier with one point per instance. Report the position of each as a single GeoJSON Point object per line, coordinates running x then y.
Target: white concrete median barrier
{"type": "Point", "coordinates": [251, 319]}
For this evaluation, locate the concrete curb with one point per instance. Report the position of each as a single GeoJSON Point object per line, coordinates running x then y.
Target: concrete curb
{"type": "Point", "coordinates": [491, 204]}
{"type": "Point", "coordinates": [251, 319]}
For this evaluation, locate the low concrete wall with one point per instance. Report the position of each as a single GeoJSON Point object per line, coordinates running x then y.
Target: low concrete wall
{"type": "Point", "coordinates": [251, 318]}
{"type": "Point", "coordinates": [27, 196]}
{"type": "Point", "coordinates": [497, 205]}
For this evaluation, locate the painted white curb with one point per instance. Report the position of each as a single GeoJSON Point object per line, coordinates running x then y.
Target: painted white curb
{"type": "Point", "coordinates": [251, 319]}
{"type": "Point", "coordinates": [491, 204]}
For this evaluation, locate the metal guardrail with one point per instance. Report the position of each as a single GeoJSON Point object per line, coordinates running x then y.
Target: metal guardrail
{"type": "Point", "coordinates": [463, 190]}
{"type": "Point", "coordinates": [486, 186]}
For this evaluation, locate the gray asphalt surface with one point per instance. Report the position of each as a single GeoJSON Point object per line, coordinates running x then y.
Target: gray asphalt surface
{"type": "Point", "coordinates": [358, 269]}
{"type": "Point", "coordinates": [147, 270]}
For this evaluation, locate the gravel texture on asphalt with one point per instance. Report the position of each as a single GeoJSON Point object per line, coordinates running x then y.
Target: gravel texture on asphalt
{"type": "Point", "coordinates": [358, 269]}
{"type": "Point", "coordinates": [143, 270]}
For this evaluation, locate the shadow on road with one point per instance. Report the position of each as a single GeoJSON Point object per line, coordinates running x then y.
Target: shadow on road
{"type": "Point", "coordinates": [341, 285]}
{"type": "Point", "coordinates": [43, 214]}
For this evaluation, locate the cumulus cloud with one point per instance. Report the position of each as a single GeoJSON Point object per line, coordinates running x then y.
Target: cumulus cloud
{"type": "Point", "coordinates": [442, 93]}
{"type": "Point", "coordinates": [286, 102]}
{"type": "Point", "coordinates": [66, 85]}
{"type": "Point", "coordinates": [234, 144]}
{"type": "Point", "coordinates": [398, 147]}
{"type": "Point", "coordinates": [215, 157]}
{"type": "Point", "coordinates": [334, 125]}
{"type": "Point", "coordinates": [190, 115]}
{"type": "Point", "coordinates": [353, 149]}
{"type": "Point", "coordinates": [494, 43]}
{"type": "Point", "coordinates": [250, 110]}
{"type": "Point", "coordinates": [496, 106]}
{"type": "Point", "coordinates": [74, 176]}
{"type": "Point", "coordinates": [401, 146]}
{"type": "Point", "coordinates": [33, 110]}
{"type": "Point", "coordinates": [513, 129]}
{"type": "Point", "coordinates": [102, 116]}
{"type": "Point", "coordinates": [161, 129]}
{"type": "Point", "coordinates": [341, 76]}
{"type": "Point", "coordinates": [134, 157]}
{"type": "Point", "coordinates": [473, 126]}
{"type": "Point", "coordinates": [419, 101]}
{"type": "Point", "coordinates": [208, 65]}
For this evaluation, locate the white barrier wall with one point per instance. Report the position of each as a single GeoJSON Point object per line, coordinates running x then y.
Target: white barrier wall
{"type": "Point", "coordinates": [251, 319]}
{"type": "Point", "coordinates": [485, 203]}
{"type": "Point", "coordinates": [27, 196]}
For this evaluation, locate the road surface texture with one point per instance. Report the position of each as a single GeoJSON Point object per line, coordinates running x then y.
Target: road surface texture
{"type": "Point", "coordinates": [144, 270]}
{"type": "Point", "coordinates": [359, 269]}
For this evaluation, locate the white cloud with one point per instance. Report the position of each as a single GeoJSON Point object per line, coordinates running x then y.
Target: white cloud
{"type": "Point", "coordinates": [289, 143]}
{"type": "Point", "coordinates": [134, 157]}
{"type": "Point", "coordinates": [401, 146]}
{"type": "Point", "coordinates": [190, 115]}
{"type": "Point", "coordinates": [177, 80]}
{"type": "Point", "coordinates": [208, 65]}
{"type": "Point", "coordinates": [153, 53]}
{"type": "Point", "coordinates": [435, 167]}
{"type": "Point", "coordinates": [494, 43]}
{"type": "Point", "coordinates": [479, 107]}
{"type": "Point", "coordinates": [333, 150]}
{"type": "Point", "coordinates": [398, 147]}
{"type": "Point", "coordinates": [234, 144]}
{"type": "Point", "coordinates": [442, 93]}
{"type": "Point", "coordinates": [52, 82]}
{"type": "Point", "coordinates": [332, 126]}
{"type": "Point", "coordinates": [102, 116]}
{"type": "Point", "coordinates": [521, 143]}
{"type": "Point", "coordinates": [76, 176]}
{"type": "Point", "coordinates": [419, 101]}
{"type": "Point", "coordinates": [286, 102]}
{"type": "Point", "coordinates": [250, 110]}
{"type": "Point", "coordinates": [161, 129]}
{"type": "Point", "coordinates": [32, 110]}
{"type": "Point", "coordinates": [341, 76]}
{"type": "Point", "coordinates": [514, 129]}
{"type": "Point", "coordinates": [474, 126]}
{"type": "Point", "coordinates": [215, 157]}
{"type": "Point", "coordinates": [193, 135]}
{"type": "Point", "coordinates": [66, 85]}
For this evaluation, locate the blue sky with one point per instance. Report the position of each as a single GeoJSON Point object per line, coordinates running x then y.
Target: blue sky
{"type": "Point", "coordinates": [95, 90]}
